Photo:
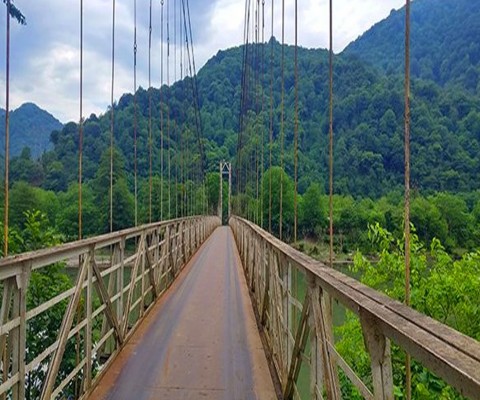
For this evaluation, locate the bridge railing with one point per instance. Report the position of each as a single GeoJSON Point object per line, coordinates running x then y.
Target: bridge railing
{"type": "Point", "coordinates": [58, 348]}
{"type": "Point", "coordinates": [296, 319]}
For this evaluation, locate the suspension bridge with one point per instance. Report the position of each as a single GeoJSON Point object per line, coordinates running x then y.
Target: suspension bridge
{"type": "Point", "coordinates": [210, 306]}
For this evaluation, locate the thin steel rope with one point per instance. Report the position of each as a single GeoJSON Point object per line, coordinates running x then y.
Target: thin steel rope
{"type": "Point", "coordinates": [135, 116]}
{"type": "Point", "coordinates": [80, 131]}
{"type": "Point", "coordinates": [112, 120]}
{"type": "Point", "coordinates": [194, 84]}
{"type": "Point", "coordinates": [161, 114]}
{"type": "Point", "coordinates": [262, 77]}
{"type": "Point", "coordinates": [175, 126]}
{"type": "Point", "coordinates": [182, 136]}
{"type": "Point", "coordinates": [239, 160]}
{"type": "Point", "coordinates": [80, 178]}
{"type": "Point", "coordinates": [198, 117]}
{"type": "Point", "coordinates": [295, 134]}
{"type": "Point", "coordinates": [282, 123]}
{"type": "Point", "coordinates": [257, 101]}
{"type": "Point", "coordinates": [330, 152]}
{"type": "Point", "coordinates": [7, 134]}
{"type": "Point", "coordinates": [271, 127]}
{"type": "Point", "coordinates": [252, 76]}
{"type": "Point", "coordinates": [408, 376]}
{"type": "Point", "coordinates": [150, 114]}
{"type": "Point", "coordinates": [169, 161]}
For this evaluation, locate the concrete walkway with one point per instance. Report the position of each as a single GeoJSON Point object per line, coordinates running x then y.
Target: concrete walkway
{"type": "Point", "coordinates": [199, 341]}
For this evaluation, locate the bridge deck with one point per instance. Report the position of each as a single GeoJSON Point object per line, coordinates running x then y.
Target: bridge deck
{"type": "Point", "coordinates": [199, 341]}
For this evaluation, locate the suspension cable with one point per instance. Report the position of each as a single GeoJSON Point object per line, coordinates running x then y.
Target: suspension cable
{"type": "Point", "coordinates": [135, 116]}
{"type": "Point", "coordinates": [194, 84]}
{"type": "Point", "coordinates": [330, 58]}
{"type": "Point", "coordinates": [80, 131]}
{"type": "Point", "coordinates": [7, 134]}
{"type": "Point", "coordinates": [282, 122]}
{"type": "Point", "coordinates": [150, 114]}
{"type": "Point", "coordinates": [168, 116]}
{"type": "Point", "coordinates": [198, 117]}
{"type": "Point", "coordinates": [175, 126]}
{"type": "Point", "coordinates": [271, 126]}
{"type": "Point", "coordinates": [80, 179]}
{"type": "Point", "coordinates": [408, 376]}
{"type": "Point", "coordinates": [257, 101]}
{"type": "Point", "coordinates": [182, 130]}
{"type": "Point", "coordinates": [161, 113]}
{"type": "Point", "coordinates": [112, 121]}
{"type": "Point", "coordinates": [295, 134]}
{"type": "Point", "coordinates": [241, 121]}
{"type": "Point", "coordinates": [262, 76]}
{"type": "Point", "coordinates": [251, 76]}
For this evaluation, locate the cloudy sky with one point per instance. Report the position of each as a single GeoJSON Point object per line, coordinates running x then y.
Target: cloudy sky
{"type": "Point", "coordinates": [45, 53]}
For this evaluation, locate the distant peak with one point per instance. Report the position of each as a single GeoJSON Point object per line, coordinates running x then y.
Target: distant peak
{"type": "Point", "coordinates": [274, 40]}
{"type": "Point", "coordinates": [29, 105]}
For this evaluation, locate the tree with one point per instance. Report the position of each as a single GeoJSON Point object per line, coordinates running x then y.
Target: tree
{"type": "Point", "coordinates": [122, 199]}
{"type": "Point", "coordinates": [67, 216]}
{"type": "Point", "coordinates": [123, 206]}
{"type": "Point", "coordinates": [15, 12]}
{"type": "Point", "coordinates": [428, 220]}
{"type": "Point", "coordinates": [44, 284]}
{"type": "Point", "coordinates": [460, 223]}
{"type": "Point", "coordinates": [277, 175]}
{"type": "Point", "coordinates": [313, 213]}
{"type": "Point", "coordinates": [442, 288]}
{"type": "Point", "coordinates": [213, 191]}
{"type": "Point", "coordinates": [23, 168]}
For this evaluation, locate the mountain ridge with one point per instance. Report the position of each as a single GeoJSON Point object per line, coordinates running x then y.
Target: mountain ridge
{"type": "Point", "coordinates": [30, 126]}
{"type": "Point", "coordinates": [368, 125]}
{"type": "Point", "coordinates": [445, 43]}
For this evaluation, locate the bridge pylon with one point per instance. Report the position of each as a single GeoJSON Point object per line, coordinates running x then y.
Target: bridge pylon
{"type": "Point", "coordinates": [225, 169]}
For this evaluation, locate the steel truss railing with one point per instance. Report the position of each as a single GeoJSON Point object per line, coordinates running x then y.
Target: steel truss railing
{"type": "Point", "coordinates": [117, 278]}
{"type": "Point", "coordinates": [297, 322]}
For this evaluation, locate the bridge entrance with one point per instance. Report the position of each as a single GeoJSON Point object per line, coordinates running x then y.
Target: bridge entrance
{"type": "Point", "coordinates": [224, 211]}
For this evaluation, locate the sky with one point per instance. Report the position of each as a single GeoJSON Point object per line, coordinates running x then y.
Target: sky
{"type": "Point", "coordinates": [45, 53]}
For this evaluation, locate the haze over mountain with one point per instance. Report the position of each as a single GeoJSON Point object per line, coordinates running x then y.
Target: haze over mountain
{"type": "Point", "coordinates": [29, 126]}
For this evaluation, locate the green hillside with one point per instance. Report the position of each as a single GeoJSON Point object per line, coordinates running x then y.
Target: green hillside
{"type": "Point", "coordinates": [368, 127]}
{"type": "Point", "coordinates": [445, 42]}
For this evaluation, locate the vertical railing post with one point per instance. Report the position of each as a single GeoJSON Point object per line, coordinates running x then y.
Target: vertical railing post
{"type": "Point", "coordinates": [286, 323]}
{"type": "Point", "coordinates": [120, 280]}
{"type": "Point", "coordinates": [316, 377]}
{"type": "Point", "coordinates": [88, 328]}
{"type": "Point", "coordinates": [20, 333]}
{"type": "Point", "coordinates": [115, 257]}
{"type": "Point", "coordinates": [8, 287]}
{"type": "Point", "coordinates": [378, 347]}
{"type": "Point", "coordinates": [323, 324]}
{"type": "Point", "coordinates": [142, 269]}
{"type": "Point", "coordinates": [266, 294]}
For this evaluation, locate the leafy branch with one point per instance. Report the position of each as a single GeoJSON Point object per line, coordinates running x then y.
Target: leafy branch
{"type": "Point", "coordinates": [15, 12]}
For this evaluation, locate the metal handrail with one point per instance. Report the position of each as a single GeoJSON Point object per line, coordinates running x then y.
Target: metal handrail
{"type": "Point", "coordinates": [101, 310]}
{"type": "Point", "coordinates": [270, 265]}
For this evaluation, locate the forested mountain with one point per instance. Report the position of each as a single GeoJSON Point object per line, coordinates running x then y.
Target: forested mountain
{"type": "Point", "coordinates": [368, 126]}
{"type": "Point", "coordinates": [445, 42]}
{"type": "Point", "coordinates": [29, 126]}
{"type": "Point", "coordinates": [368, 113]}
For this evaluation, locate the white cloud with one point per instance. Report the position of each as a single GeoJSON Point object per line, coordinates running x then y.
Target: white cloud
{"type": "Point", "coordinates": [45, 53]}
